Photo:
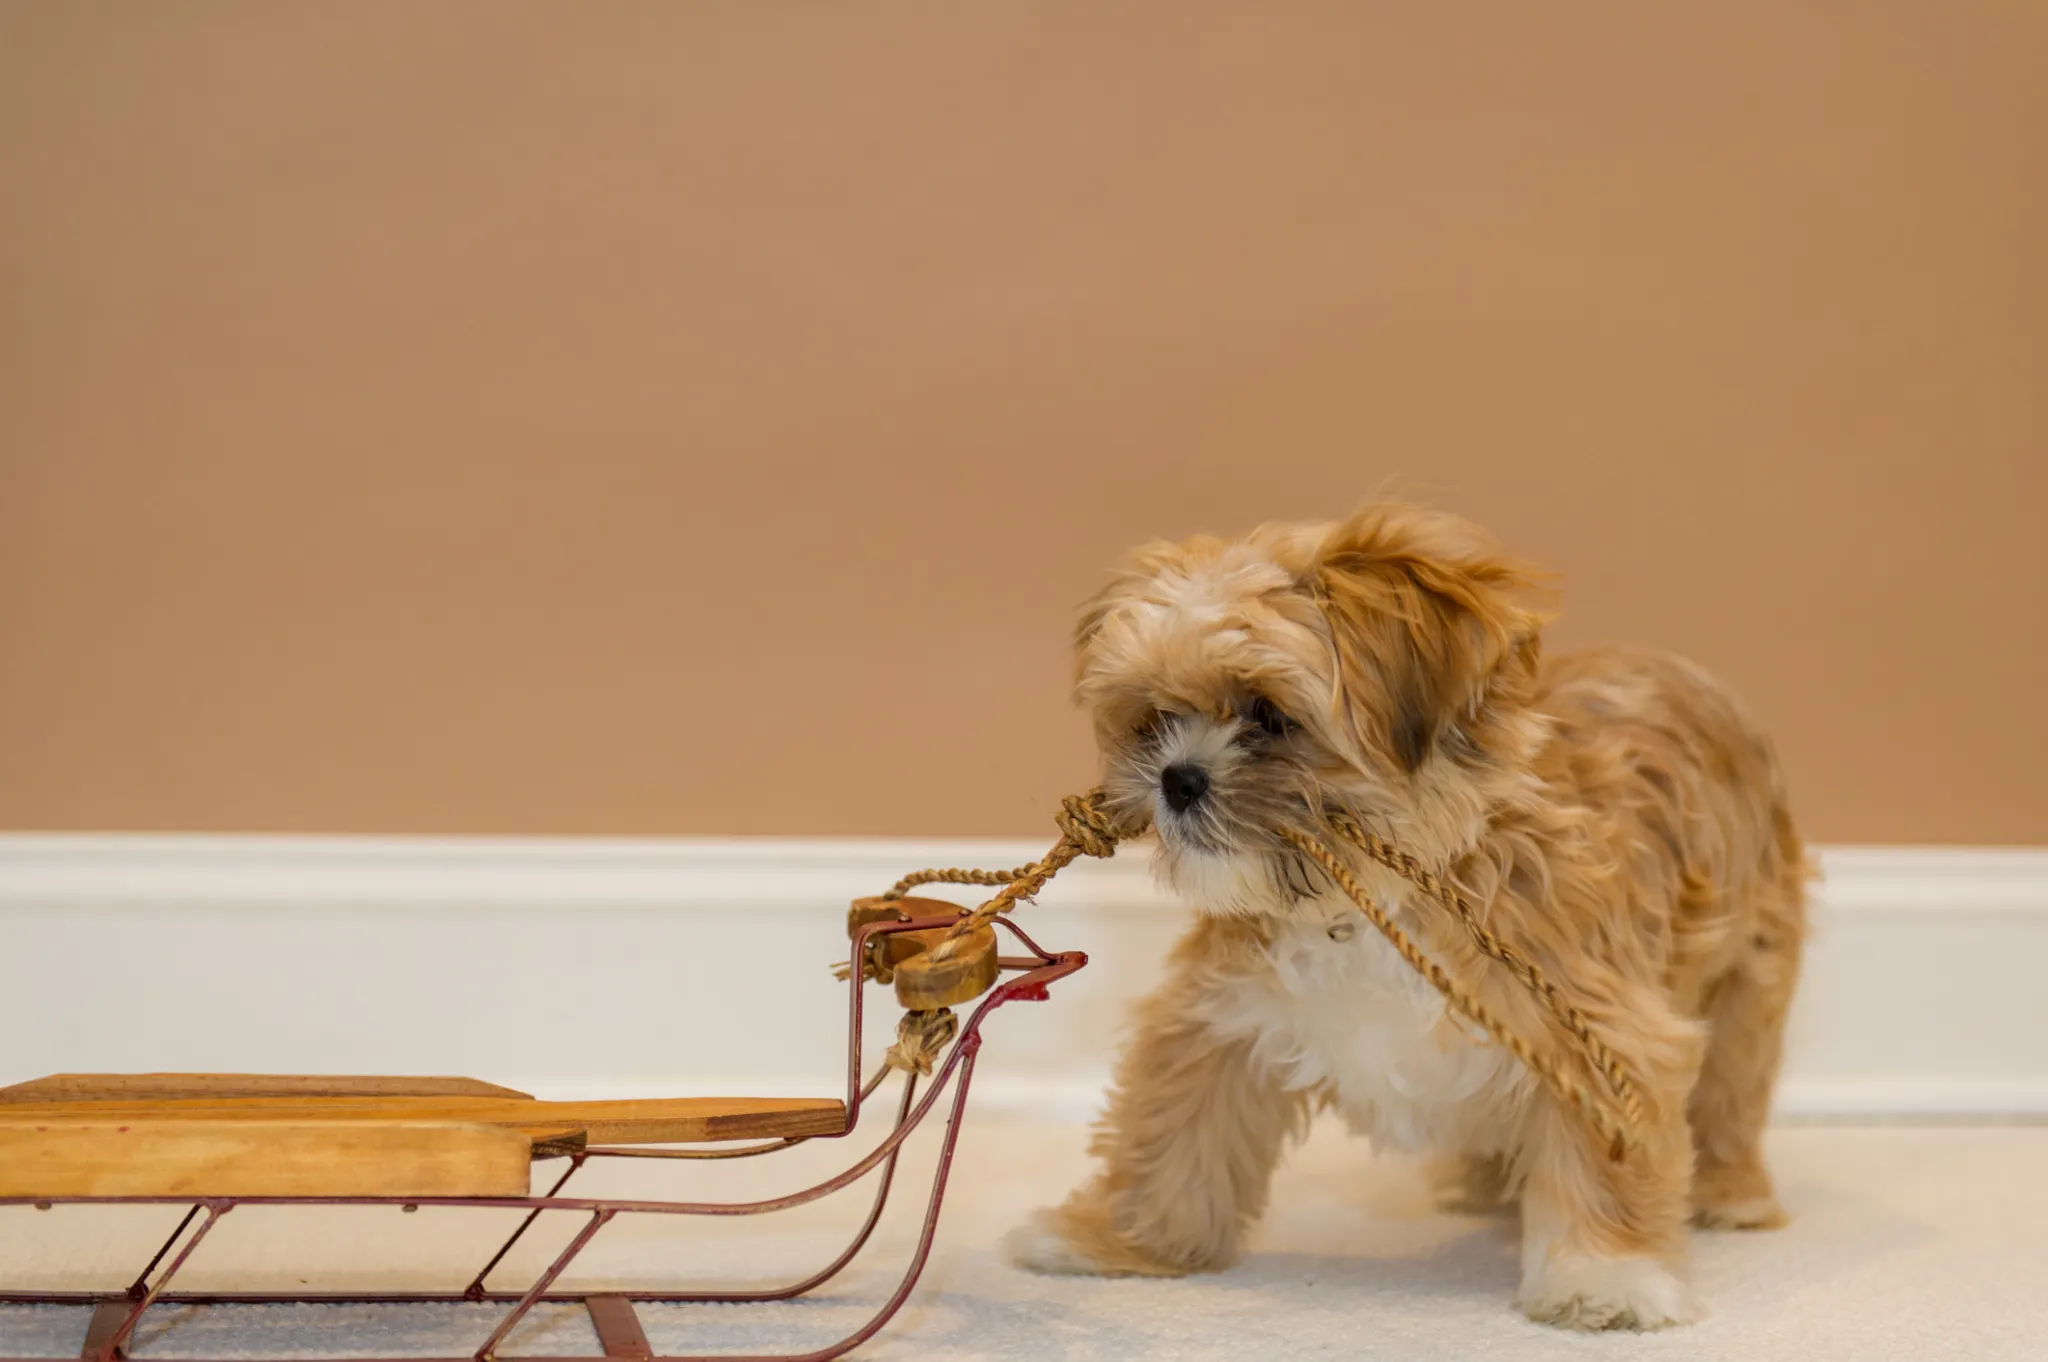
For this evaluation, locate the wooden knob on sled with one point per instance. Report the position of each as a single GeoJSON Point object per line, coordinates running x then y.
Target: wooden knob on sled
{"type": "Point", "coordinates": [966, 971]}
{"type": "Point", "coordinates": [932, 978]}
{"type": "Point", "coordinates": [897, 947]}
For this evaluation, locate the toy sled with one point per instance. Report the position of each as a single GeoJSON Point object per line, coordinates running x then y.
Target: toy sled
{"type": "Point", "coordinates": [215, 1142]}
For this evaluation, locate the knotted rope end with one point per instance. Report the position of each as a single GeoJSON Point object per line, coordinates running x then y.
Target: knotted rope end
{"type": "Point", "coordinates": [919, 1038]}
{"type": "Point", "coordinates": [1084, 822]}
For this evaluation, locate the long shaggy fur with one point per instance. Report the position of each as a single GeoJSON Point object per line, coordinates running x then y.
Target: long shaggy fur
{"type": "Point", "coordinates": [1615, 814]}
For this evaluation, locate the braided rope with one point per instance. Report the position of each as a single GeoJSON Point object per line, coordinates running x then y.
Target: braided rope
{"type": "Point", "coordinates": [1086, 829]}
{"type": "Point", "coordinates": [991, 878]}
{"type": "Point", "coordinates": [1526, 971]}
{"type": "Point", "coordinates": [1543, 1066]}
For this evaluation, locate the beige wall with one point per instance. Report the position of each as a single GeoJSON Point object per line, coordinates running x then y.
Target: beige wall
{"type": "Point", "coordinates": [529, 418]}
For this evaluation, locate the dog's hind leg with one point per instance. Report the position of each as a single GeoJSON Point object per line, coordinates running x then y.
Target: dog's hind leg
{"type": "Point", "coordinates": [1471, 1184]}
{"type": "Point", "coordinates": [1746, 1009]}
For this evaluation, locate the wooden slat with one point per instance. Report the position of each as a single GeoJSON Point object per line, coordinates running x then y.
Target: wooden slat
{"type": "Point", "coordinates": [107, 1318]}
{"type": "Point", "coordinates": [618, 1327]}
{"type": "Point", "coordinates": [103, 1087]}
{"type": "Point", "coordinates": [678, 1120]}
{"type": "Point", "coordinates": [45, 1156]}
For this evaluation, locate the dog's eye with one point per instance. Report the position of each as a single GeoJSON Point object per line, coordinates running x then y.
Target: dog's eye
{"type": "Point", "coordinates": [1269, 718]}
{"type": "Point", "coordinates": [1148, 725]}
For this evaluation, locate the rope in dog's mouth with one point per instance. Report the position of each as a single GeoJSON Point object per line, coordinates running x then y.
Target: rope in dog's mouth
{"type": "Point", "coordinates": [1087, 829]}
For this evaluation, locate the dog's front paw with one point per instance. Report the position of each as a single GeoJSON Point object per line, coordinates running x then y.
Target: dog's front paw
{"type": "Point", "coordinates": [1577, 1292]}
{"type": "Point", "coordinates": [1041, 1244]}
{"type": "Point", "coordinates": [1078, 1239]}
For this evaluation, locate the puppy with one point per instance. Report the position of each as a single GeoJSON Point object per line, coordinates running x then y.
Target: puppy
{"type": "Point", "coordinates": [1614, 815]}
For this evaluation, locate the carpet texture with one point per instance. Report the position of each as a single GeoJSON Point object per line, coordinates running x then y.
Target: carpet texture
{"type": "Point", "coordinates": [1922, 1243]}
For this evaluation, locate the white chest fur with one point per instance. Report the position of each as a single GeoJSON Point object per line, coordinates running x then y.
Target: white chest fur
{"type": "Point", "coordinates": [1335, 1010]}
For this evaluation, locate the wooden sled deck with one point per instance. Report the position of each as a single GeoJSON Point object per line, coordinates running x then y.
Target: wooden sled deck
{"type": "Point", "coordinates": [243, 1135]}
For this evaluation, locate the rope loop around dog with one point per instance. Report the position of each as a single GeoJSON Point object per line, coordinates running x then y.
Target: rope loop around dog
{"type": "Point", "coordinates": [1525, 971]}
{"type": "Point", "coordinates": [1086, 829]}
{"type": "Point", "coordinates": [1618, 1131]}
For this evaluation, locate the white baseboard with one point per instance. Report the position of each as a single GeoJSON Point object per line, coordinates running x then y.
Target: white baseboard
{"type": "Point", "coordinates": [621, 968]}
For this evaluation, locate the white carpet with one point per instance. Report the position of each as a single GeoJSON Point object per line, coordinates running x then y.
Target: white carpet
{"type": "Point", "coordinates": [1926, 1243]}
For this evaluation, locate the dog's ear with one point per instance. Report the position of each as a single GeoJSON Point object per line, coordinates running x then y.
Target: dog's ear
{"type": "Point", "coordinates": [1097, 608]}
{"type": "Point", "coordinates": [1428, 623]}
{"type": "Point", "coordinates": [1128, 583]}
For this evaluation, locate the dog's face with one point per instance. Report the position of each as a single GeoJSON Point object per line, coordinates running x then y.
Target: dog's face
{"type": "Point", "coordinates": [1380, 666]}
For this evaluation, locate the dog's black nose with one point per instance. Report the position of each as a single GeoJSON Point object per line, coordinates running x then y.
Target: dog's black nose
{"type": "Point", "coordinates": [1183, 785]}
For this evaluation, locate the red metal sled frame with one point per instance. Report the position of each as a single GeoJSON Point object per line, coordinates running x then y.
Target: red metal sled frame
{"type": "Point", "coordinates": [116, 1315]}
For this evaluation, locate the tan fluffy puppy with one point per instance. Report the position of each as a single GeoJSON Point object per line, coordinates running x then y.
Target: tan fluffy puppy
{"type": "Point", "coordinates": [1614, 815]}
